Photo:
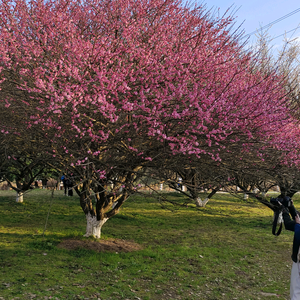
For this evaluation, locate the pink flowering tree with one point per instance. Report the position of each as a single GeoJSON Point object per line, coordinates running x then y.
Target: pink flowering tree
{"type": "Point", "coordinates": [119, 87]}
{"type": "Point", "coordinates": [278, 163]}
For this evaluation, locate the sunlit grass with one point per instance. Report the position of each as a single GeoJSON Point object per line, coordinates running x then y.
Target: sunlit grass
{"type": "Point", "coordinates": [223, 251]}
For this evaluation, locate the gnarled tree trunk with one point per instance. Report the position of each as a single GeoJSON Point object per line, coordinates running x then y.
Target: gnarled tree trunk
{"type": "Point", "coordinates": [93, 226]}
{"type": "Point", "coordinates": [107, 205]}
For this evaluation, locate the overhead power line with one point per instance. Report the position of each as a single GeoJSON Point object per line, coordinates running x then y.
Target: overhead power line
{"type": "Point", "coordinates": [285, 33]}
{"type": "Point", "coordinates": [274, 22]}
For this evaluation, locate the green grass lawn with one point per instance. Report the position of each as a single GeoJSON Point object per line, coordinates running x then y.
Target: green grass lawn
{"type": "Point", "coordinates": [223, 251]}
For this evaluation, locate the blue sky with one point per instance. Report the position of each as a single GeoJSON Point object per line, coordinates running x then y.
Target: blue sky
{"type": "Point", "coordinates": [258, 13]}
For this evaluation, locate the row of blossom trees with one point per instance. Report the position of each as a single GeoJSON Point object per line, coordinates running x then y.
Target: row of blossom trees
{"type": "Point", "coordinates": [111, 89]}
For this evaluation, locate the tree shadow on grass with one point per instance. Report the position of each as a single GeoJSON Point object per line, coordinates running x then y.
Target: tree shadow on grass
{"type": "Point", "coordinates": [77, 246]}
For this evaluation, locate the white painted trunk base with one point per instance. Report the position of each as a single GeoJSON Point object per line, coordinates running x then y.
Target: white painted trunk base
{"type": "Point", "coordinates": [201, 203]}
{"type": "Point", "coordinates": [93, 226]}
{"type": "Point", "coordinates": [19, 197]}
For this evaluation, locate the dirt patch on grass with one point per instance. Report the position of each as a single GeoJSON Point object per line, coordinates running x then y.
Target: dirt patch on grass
{"type": "Point", "coordinates": [110, 245]}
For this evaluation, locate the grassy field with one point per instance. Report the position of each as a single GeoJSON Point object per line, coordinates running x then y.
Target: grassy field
{"type": "Point", "coordinates": [224, 251]}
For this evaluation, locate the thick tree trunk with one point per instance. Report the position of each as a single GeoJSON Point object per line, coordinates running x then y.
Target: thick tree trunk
{"type": "Point", "coordinates": [93, 226]}
{"type": "Point", "coordinates": [19, 197]}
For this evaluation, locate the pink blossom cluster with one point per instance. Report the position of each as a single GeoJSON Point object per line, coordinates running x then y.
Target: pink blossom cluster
{"type": "Point", "coordinates": [149, 72]}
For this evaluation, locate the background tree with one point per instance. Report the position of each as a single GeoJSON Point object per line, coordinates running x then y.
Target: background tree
{"type": "Point", "coordinates": [23, 154]}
